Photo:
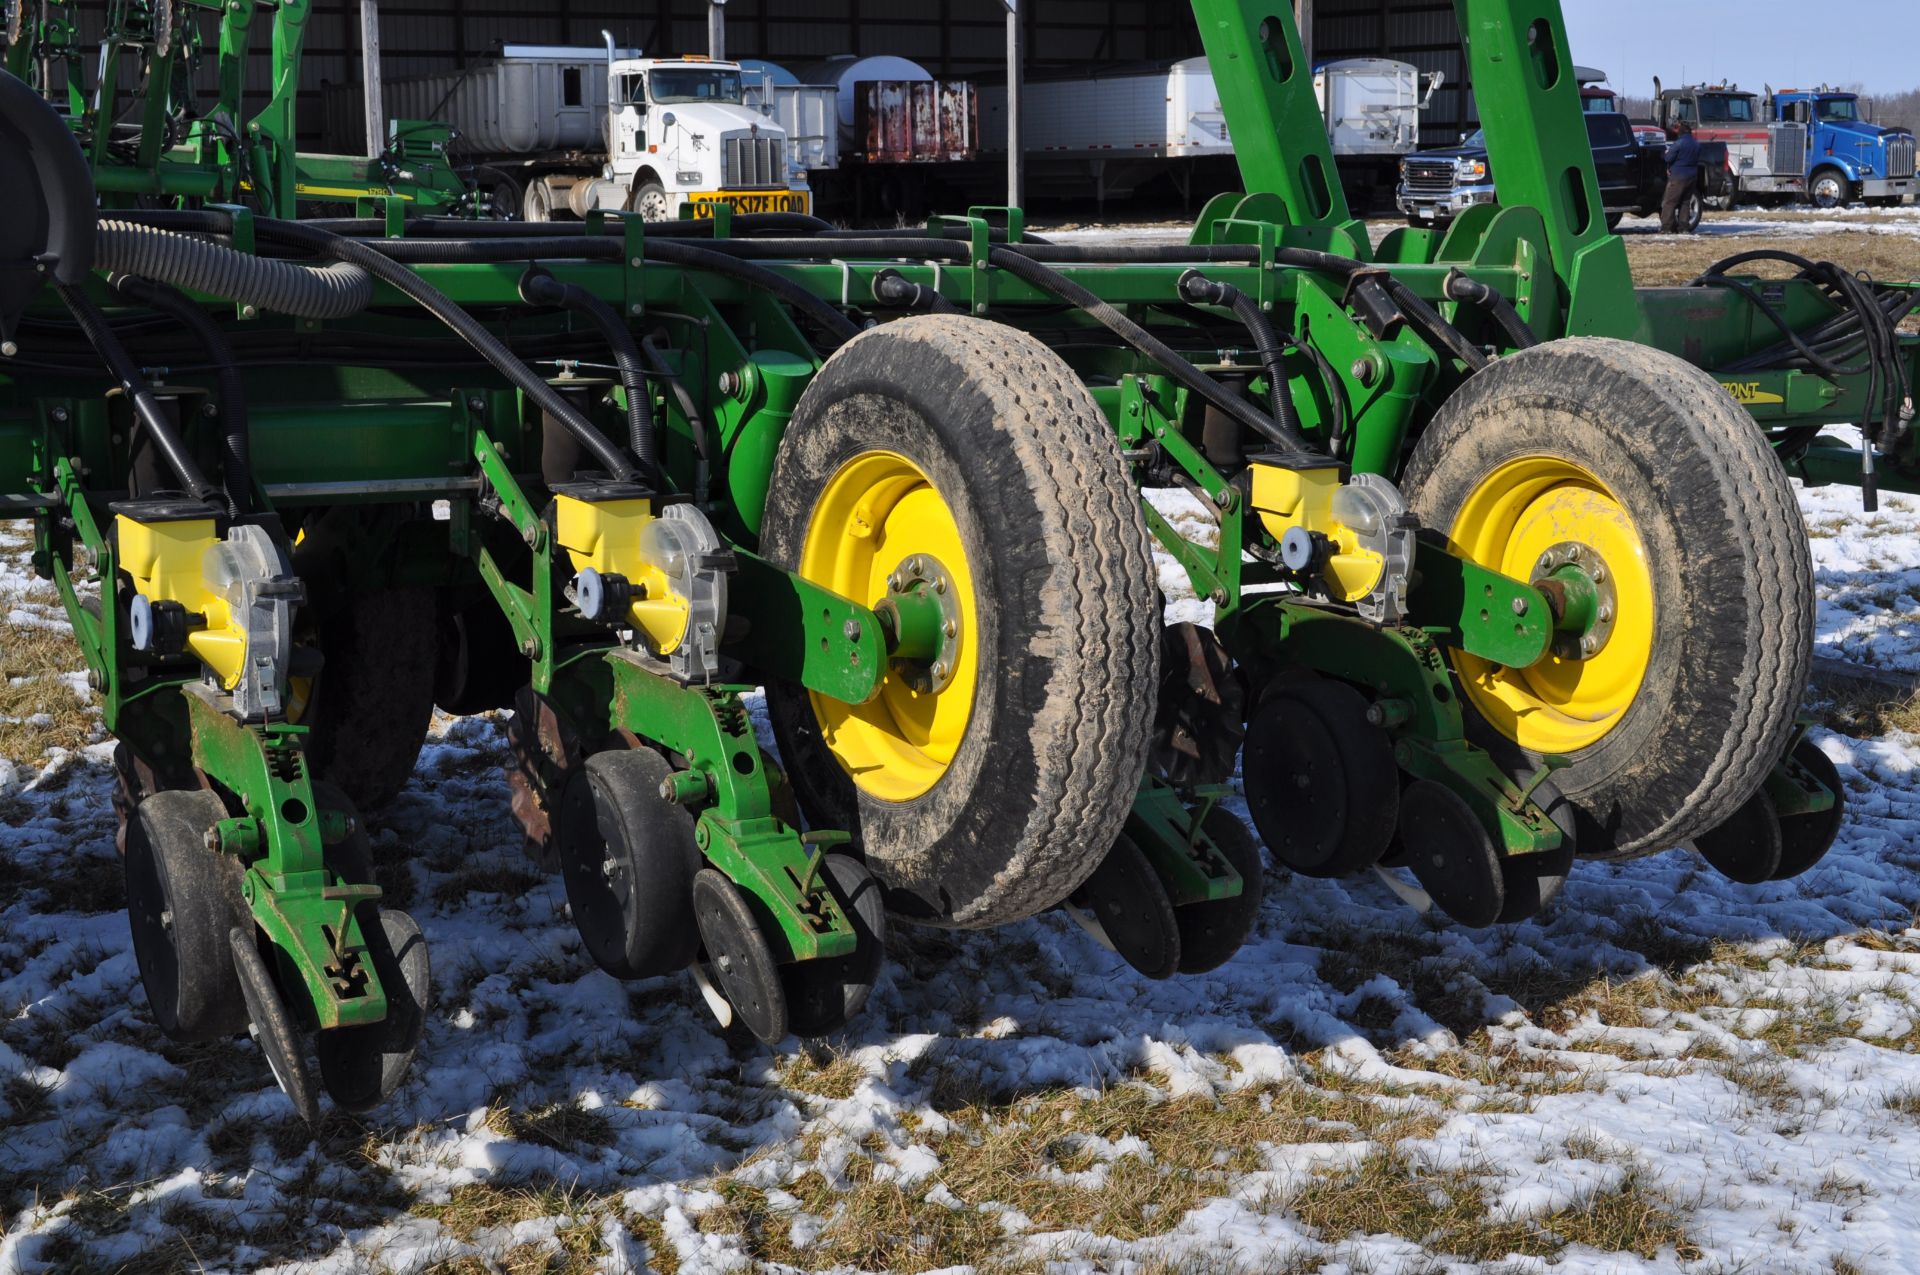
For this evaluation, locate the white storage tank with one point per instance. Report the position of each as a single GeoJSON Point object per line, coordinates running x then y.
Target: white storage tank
{"type": "Point", "coordinates": [846, 70]}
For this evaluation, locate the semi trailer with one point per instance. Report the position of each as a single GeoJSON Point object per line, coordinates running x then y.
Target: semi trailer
{"type": "Point", "coordinates": [553, 132]}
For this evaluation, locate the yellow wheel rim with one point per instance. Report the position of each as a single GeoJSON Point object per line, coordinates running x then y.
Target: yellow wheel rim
{"type": "Point", "coordinates": [877, 512]}
{"type": "Point", "coordinates": [1509, 523]}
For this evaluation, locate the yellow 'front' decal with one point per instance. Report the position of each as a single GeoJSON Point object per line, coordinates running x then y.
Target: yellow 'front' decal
{"type": "Point", "coordinates": [1749, 393]}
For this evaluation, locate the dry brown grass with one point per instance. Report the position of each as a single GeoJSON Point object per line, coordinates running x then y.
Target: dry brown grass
{"type": "Point", "coordinates": [1671, 260]}
{"type": "Point", "coordinates": [1861, 708]}
{"type": "Point", "coordinates": [32, 658]}
{"type": "Point", "coordinates": [1022, 1155]}
{"type": "Point", "coordinates": [1447, 1211]}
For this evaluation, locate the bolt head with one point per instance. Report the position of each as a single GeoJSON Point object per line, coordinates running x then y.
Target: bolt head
{"type": "Point", "coordinates": [8, 349]}
{"type": "Point", "coordinates": [666, 790]}
{"type": "Point", "coordinates": [1606, 614]}
{"type": "Point", "coordinates": [895, 584]}
{"type": "Point", "coordinates": [1589, 644]}
{"type": "Point", "coordinates": [950, 629]}
{"type": "Point", "coordinates": [941, 669]}
{"type": "Point", "coordinates": [1573, 553]}
{"type": "Point", "coordinates": [212, 840]}
{"type": "Point", "coordinates": [1519, 606]}
{"type": "Point", "coordinates": [1599, 573]}
{"type": "Point", "coordinates": [1218, 597]}
{"type": "Point", "coordinates": [913, 564]}
{"type": "Point", "coordinates": [59, 414]}
{"type": "Point", "coordinates": [939, 584]}
{"type": "Point", "coordinates": [852, 630]}
{"type": "Point", "coordinates": [530, 648]}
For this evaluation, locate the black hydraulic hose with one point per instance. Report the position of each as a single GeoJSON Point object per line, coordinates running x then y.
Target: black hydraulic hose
{"type": "Point", "coordinates": [1200, 290]}
{"type": "Point", "coordinates": [890, 287]}
{"type": "Point", "coordinates": [1464, 288]}
{"type": "Point", "coordinates": [236, 466]}
{"type": "Point", "coordinates": [702, 438]}
{"type": "Point", "coordinates": [469, 329]}
{"type": "Point", "coordinates": [1340, 408]}
{"type": "Point", "coordinates": [835, 324]}
{"type": "Point", "coordinates": [1435, 328]}
{"type": "Point", "coordinates": [537, 287]}
{"type": "Point", "coordinates": [1057, 284]}
{"type": "Point", "coordinates": [326, 292]}
{"type": "Point", "coordinates": [603, 247]}
{"type": "Point", "coordinates": [107, 344]}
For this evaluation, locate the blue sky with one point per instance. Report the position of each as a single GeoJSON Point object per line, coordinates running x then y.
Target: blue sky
{"type": "Point", "coordinates": [1872, 42]}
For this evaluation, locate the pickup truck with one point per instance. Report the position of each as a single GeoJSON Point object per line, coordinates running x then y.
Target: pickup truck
{"type": "Point", "coordinates": [1438, 185]}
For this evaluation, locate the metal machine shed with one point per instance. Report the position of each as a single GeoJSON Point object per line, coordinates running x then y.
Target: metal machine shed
{"type": "Point", "coordinates": [950, 37]}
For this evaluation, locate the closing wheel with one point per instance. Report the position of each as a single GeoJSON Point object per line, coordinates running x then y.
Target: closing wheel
{"type": "Point", "coordinates": [182, 899]}
{"type": "Point", "coordinates": [1324, 789]}
{"type": "Point", "coordinates": [1634, 490]}
{"type": "Point", "coordinates": [628, 858]}
{"type": "Point", "coordinates": [271, 1026]}
{"type": "Point", "coordinates": [1805, 839]}
{"type": "Point", "coordinates": [1531, 881]}
{"type": "Point", "coordinates": [362, 1066]}
{"type": "Point", "coordinates": [955, 475]}
{"type": "Point", "coordinates": [1451, 854]}
{"type": "Point", "coordinates": [1210, 933]}
{"type": "Point", "coordinates": [1201, 720]}
{"type": "Point", "coordinates": [736, 957]}
{"type": "Point", "coordinates": [1748, 846]}
{"type": "Point", "coordinates": [823, 996]}
{"type": "Point", "coordinates": [1130, 908]}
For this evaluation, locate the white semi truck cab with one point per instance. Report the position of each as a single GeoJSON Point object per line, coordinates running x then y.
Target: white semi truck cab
{"type": "Point", "coordinates": [682, 133]}
{"type": "Point", "coordinates": [553, 131]}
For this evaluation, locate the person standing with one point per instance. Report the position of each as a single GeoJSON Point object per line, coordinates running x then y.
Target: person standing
{"type": "Point", "coordinates": [1683, 177]}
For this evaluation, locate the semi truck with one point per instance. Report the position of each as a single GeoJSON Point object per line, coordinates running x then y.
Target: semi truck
{"type": "Point", "coordinates": [1113, 130]}
{"type": "Point", "coordinates": [554, 131]}
{"type": "Point", "coordinates": [1766, 159]}
{"type": "Point", "coordinates": [1848, 156]}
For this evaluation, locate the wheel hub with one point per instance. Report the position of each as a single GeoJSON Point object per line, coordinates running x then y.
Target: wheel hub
{"type": "Point", "coordinates": [1585, 597]}
{"type": "Point", "coordinates": [920, 616]}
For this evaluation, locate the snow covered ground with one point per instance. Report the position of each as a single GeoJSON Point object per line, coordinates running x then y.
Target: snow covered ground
{"type": "Point", "coordinates": [1666, 1072]}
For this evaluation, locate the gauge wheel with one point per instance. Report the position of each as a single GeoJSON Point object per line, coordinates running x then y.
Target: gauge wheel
{"type": "Point", "coordinates": [956, 474]}
{"type": "Point", "coordinates": [1634, 485]}
{"type": "Point", "coordinates": [182, 900]}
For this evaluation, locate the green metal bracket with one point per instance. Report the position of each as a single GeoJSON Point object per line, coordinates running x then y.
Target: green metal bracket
{"type": "Point", "coordinates": [1404, 672]}
{"type": "Point", "coordinates": [1466, 607]}
{"type": "Point", "coordinates": [708, 728]}
{"type": "Point", "coordinates": [293, 896]}
{"type": "Point", "coordinates": [1794, 788]}
{"type": "Point", "coordinates": [1522, 73]}
{"type": "Point", "coordinates": [1266, 92]}
{"type": "Point", "coordinates": [1187, 862]}
{"type": "Point", "coordinates": [840, 651]}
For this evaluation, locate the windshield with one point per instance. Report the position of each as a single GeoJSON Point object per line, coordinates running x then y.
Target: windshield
{"type": "Point", "coordinates": [697, 84]}
{"type": "Point", "coordinates": [1838, 108]}
{"type": "Point", "coordinates": [1476, 140]}
{"type": "Point", "coordinates": [1719, 109]}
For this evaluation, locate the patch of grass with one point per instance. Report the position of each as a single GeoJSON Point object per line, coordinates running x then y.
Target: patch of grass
{"type": "Point", "coordinates": [1862, 708]}
{"type": "Point", "coordinates": [1672, 260]}
{"type": "Point", "coordinates": [564, 1126]}
{"type": "Point", "coordinates": [479, 1206]}
{"type": "Point", "coordinates": [38, 711]}
{"type": "Point", "coordinates": [833, 1076]}
{"type": "Point", "coordinates": [1447, 1211]}
{"type": "Point", "coordinates": [1906, 1102]}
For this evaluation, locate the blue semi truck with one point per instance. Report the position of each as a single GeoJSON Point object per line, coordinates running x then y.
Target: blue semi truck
{"type": "Point", "coordinates": [1848, 158]}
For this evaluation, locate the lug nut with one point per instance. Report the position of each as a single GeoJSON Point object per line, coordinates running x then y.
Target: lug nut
{"type": "Point", "coordinates": [1589, 644]}
{"type": "Point", "coordinates": [913, 564]}
{"type": "Point", "coordinates": [1606, 615]}
{"type": "Point", "coordinates": [950, 629]}
{"type": "Point", "coordinates": [941, 669]}
{"type": "Point", "coordinates": [894, 584]}
{"type": "Point", "coordinates": [939, 584]}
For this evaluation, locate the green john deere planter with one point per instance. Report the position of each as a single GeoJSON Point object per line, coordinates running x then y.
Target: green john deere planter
{"type": "Point", "coordinates": [1502, 575]}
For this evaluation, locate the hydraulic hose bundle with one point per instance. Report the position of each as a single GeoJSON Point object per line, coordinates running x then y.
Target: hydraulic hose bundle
{"type": "Point", "coordinates": [1867, 330]}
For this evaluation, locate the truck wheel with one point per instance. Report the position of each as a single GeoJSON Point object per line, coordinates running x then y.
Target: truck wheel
{"type": "Point", "coordinates": [649, 199]}
{"type": "Point", "coordinates": [1829, 188]}
{"type": "Point", "coordinates": [537, 204]}
{"type": "Point", "coordinates": [960, 462]}
{"type": "Point", "coordinates": [1627, 466]}
{"type": "Point", "coordinates": [1692, 212]}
